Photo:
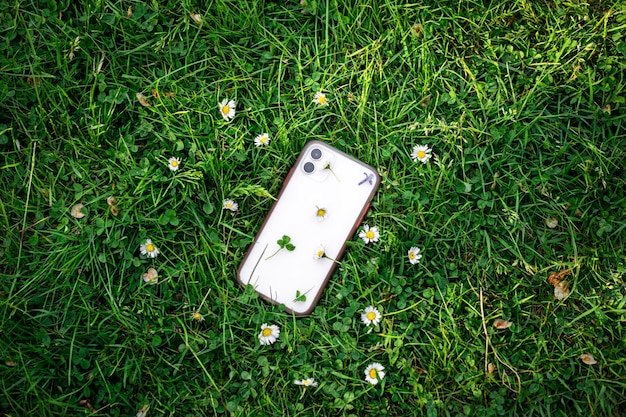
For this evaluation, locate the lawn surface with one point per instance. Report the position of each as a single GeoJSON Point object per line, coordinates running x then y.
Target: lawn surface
{"type": "Point", "coordinates": [522, 104]}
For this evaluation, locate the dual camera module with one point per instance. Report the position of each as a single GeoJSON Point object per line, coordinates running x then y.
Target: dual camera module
{"type": "Point", "coordinates": [315, 154]}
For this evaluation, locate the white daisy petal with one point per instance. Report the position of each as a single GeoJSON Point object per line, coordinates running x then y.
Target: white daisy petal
{"type": "Point", "coordinates": [173, 163]}
{"type": "Point", "coordinates": [262, 140]}
{"type": "Point", "coordinates": [230, 205]}
{"type": "Point", "coordinates": [369, 234]}
{"type": "Point", "coordinates": [268, 334]}
{"type": "Point", "coordinates": [421, 153]}
{"type": "Point", "coordinates": [371, 315]}
{"type": "Point", "coordinates": [415, 255]}
{"type": "Point", "coordinates": [149, 249]}
{"type": "Point", "coordinates": [320, 99]}
{"type": "Point", "coordinates": [227, 109]}
{"type": "Point", "coordinates": [306, 382]}
{"type": "Point", "coordinates": [374, 373]}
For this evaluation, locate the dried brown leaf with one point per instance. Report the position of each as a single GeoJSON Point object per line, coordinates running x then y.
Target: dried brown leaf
{"type": "Point", "coordinates": [87, 403]}
{"type": "Point", "coordinates": [561, 290]}
{"type": "Point", "coordinates": [143, 100]}
{"type": "Point", "coordinates": [551, 222]}
{"type": "Point", "coordinates": [491, 367]}
{"type": "Point", "coordinates": [196, 18]}
{"type": "Point", "coordinates": [151, 277]}
{"type": "Point", "coordinates": [111, 202]}
{"type": "Point", "coordinates": [75, 212]}
{"type": "Point", "coordinates": [501, 324]}
{"type": "Point", "coordinates": [417, 29]}
{"type": "Point", "coordinates": [588, 359]}
{"type": "Point", "coordinates": [129, 12]}
{"type": "Point", "coordinates": [10, 363]}
{"type": "Point", "coordinates": [557, 277]}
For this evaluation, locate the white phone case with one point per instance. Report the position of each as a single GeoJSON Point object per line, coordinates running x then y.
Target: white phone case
{"type": "Point", "coordinates": [337, 183]}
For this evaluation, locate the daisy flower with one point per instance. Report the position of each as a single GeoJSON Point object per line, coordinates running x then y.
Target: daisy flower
{"type": "Point", "coordinates": [151, 277]}
{"type": "Point", "coordinates": [374, 373]}
{"type": "Point", "coordinates": [321, 213]}
{"type": "Point", "coordinates": [148, 249]}
{"type": "Point", "coordinates": [319, 252]}
{"type": "Point", "coordinates": [269, 334]}
{"type": "Point", "coordinates": [371, 315]}
{"type": "Point", "coordinates": [421, 153]}
{"type": "Point", "coordinates": [262, 140]}
{"type": "Point", "coordinates": [415, 255]}
{"type": "Point", "coordinates": [306, 382]}
{"type": "Point", "coordinates": [227, 109]}
{"type": "Point", "coordinates": [230, 205]}
{"type": "Point", "coordinates": [197, 316]}
{"type": "Point", "coordinates": [369, 234]}
{"type": "Point", "coordinates": [173, 163]}
{"type": "Point", "coordinates": [320, 99]}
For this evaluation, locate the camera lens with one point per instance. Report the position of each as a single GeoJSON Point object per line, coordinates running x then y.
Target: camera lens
{"type": "Point", "coordinates": [309, 167]}
{"type": "Point", "coordinates": [316, 154]}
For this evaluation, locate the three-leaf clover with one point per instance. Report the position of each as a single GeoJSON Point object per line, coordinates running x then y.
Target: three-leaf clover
{"type": "Point", "coordinates": [283, 243]}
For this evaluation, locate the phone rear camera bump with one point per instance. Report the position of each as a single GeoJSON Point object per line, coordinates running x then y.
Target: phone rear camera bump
{"type": "Point", "coordinates": [309, 167]}
{"type": "Point", "coordinates": [316, 153]}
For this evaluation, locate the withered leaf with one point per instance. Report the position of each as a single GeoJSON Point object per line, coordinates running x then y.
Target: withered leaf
{"type": "Point", "coordinates": [588, 359]}
{"type": "Point", "coordinates": [501, 324]}
{"type": "Point", "coordinates": [75, 212]}
{"type": "Point", "coordinates": [143, 100]}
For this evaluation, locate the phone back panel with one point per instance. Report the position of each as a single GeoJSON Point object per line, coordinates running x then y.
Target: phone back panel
{"type": "Point", "coordinates": [337, 183]}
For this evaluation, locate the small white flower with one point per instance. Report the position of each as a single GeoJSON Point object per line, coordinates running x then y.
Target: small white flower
{"type": "Point", "coordinates": [374, 373]}
{"type": "Point", "coordinates": [151, 277]}
{"type": "Point", "coordinates": [230, 205]}
{"type": "Point", "coordinates": [371, 315]}
{"type": "Point", "coordinates": [149, 249]}
{"type": "Point", "coordinates": [415, 255]}
{"type": "Point", "coordinates": [262, 140]}
{"type": "Point", "coordinates": [227, 109]}
{"type": "Point", "coordinates": [320, 99]}
{"type": "Point", "coordinates": [321, 213]}
{"type": "Point", "coordinates": [421, 153]}
{"type": "Point", "coordinates": [319, 252]}
{"type": "Point", "coordinates": [369, 234]}
{"type": "Point", "coordinates": [173, 163]}
{"type": "Point", "coordinates": [269, 334]}
{"type": "Point", "coordinates": [306, 382]}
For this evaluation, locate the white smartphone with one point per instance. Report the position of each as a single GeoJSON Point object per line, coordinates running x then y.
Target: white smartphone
{"type": "Point", "coordinates": [320, 206]}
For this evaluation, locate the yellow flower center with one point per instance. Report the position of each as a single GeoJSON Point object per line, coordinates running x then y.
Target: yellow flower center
{"type": "Point", "coordinates": [371, 316]}
{"type": "Point", "coordinates": [263, 139]}
{"type": "Point", "coordinates": [174, 163]}
{"type": "Point", "coordinates": [321, 212]}
{"type": "Point", "coordinates": [197, 316]}
{"type": "Point", "coordinates": [225, 109]}
{"type": "Point", "coordinates": [373, 373]}
{"type": "Point", "coordinates": [320, 253]}
{"type": "Point", "coordinates": [421, 154]}
{"type": "Point", "coordinates": [412, 255]}
{"type": "Point", "coordinates": [266, 332]}
{"type": "Point", "coordinates": [306, 382]}
{"type": "Point", "coordinates": [229, 205]}
{"type": "Point", "coordinates": [322, 99]}
{"type": "Point", "coordinates": [369, 234]}
{"type": "Point", "coordinates": [150, 247]}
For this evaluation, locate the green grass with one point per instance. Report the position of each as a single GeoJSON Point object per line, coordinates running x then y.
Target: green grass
{"type": "Point", "coordinates": [523, 105]}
